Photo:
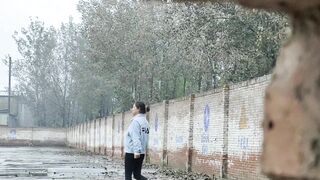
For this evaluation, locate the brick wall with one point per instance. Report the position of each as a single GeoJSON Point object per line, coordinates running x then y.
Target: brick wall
{"type": "Point", "coordinates": [91, 136]}
{"type": "Point", "coordinates": [33, 136]}
{"type": "Point", "coordinates": [109, 138]}
{"type": "Point", "coordinates": [218, 132]}
{"type": "Point", "coordinates": [245, 128]}
{"type": "Point", "coordinates": [97, 135]}
{"type": "Point", "coordinates": [208, 133]}
{"type": "Point", "coordinates": [87, 132]}
{"type": "Point", "coordinates": [178, 133]}
{"type": "Point", "coordinates": [157, 124]}
{"type": "Point", "coordinates": [103, 135]}
{"type": "Point", "coordinates": [117, 135]}
{"type": "Point", "coordinates": [83, 136]}
{"type": "Point", "coordinates": [126, 122]}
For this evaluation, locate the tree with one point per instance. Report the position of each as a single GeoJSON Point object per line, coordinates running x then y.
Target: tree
{"type": "Point", "coordinates": [124, 51]}
{"type": "Point", "coordinates": [36, 45]}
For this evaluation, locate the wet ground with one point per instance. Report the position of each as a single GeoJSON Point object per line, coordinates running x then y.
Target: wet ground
{"type": "Point", "coordinates": [66, 163]}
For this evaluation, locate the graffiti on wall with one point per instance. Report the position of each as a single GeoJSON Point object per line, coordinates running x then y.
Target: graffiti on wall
{"type": "Point", "coordinates": [156, 141]}
{"type": "Point", "coordinates": [205, 149]}
{"type": "Point", "coordinates": [179, 141]}
{"type": "Point", "coordinates": [205, 135]}
{"type": "Point", "coordinates": [243, 123]}
{"type": "Point", "coordinates": [209, 162]}
{"type": "Point", "coordinates": [12, 134]}
{"type": "Point", "coordinates": [156, 123]}
{"type": "Point", "coordinates": [206, 118]}
{"type": "Point", "coordinates": [243, 142]}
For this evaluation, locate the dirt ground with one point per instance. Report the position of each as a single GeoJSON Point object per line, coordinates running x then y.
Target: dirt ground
{"type": "Point", "coordinates": [67, 163]}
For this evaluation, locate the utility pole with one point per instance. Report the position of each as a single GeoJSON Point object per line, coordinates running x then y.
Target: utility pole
{"type": "Point", "coordinates": [9, 92]}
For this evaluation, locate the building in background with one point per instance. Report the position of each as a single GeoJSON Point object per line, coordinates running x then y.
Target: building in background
{"type": "Point", "coordinates": [19, 116]}
{"type": "Point", "coordinates": [4, 115]}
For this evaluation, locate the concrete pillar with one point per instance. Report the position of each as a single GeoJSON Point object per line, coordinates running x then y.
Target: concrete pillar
{"type": "Point", "coordinates": [147, 156]}
{"type": "Point", "coordinates": [86, 136]}
{"type": "Point", "coordinates": [94, 136]}
{"type": "Point", "coordinates": [83, 136]}
{"type": "Point", "coordinates": [165, 134]}
{"type": "Point", "coordinates": [291, 148]}
{"type": "Point", "coordinates": [224, 165]}
{"type": "Point", "coordinates": [99, 132]}
{"type": "Point", "coordinates": [122, 135]}
{"type": "Point", "coordinates": [105, 136]}
{"type": "Point", "coordinates": [89, 136]}
{"type": "Point", "coordinates": [190, 138]}
{"type": "Point", "coordinates": [113, 130]}
{"type": "Point", "coordinates": [79, 136]}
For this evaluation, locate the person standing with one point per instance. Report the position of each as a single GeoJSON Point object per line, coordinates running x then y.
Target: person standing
{"type": "Point", "coordinates": [136, 140]}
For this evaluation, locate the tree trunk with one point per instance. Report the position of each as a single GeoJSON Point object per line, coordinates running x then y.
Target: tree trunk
{"type": "Point", "coordinates": [151, 88]}
{"type": "Point", "coordinates": [184, 85]}
{"type": "Point", "coordinates": [174, 88]}
{"type": "Point", "coordinates": [199, 81]}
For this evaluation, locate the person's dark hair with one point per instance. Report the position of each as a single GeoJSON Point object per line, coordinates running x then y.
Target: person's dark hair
{"type": "Point", "coordinates": [142, 107]}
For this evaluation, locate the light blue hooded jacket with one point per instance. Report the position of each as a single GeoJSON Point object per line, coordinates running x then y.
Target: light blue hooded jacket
{"type": "Point", "coordinates": [137, 135]}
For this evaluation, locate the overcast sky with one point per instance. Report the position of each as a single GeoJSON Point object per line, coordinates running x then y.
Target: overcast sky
{"type": "Point", "coordinates": [15, 14]}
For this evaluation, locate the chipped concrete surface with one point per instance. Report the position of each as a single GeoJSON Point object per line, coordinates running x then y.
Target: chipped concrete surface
{"type": "Point", "coordinates": [65, 163]}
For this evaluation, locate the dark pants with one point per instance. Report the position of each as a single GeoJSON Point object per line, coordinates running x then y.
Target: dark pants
{"type": "Point", "coordinates": [133, 166]}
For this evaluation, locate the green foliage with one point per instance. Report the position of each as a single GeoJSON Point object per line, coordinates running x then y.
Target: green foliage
{"type": "Point", "coordinates": [124, 51]}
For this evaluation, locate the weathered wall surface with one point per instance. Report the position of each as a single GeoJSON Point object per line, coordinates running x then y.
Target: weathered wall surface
{"type": "Point", "coordinates": [157, 138]}
{"type": "Point", "coordinates": [117, 135]}
{"type": "Point", "coordinates": [32, 136]}
{"type": "Point", "coordinates": [178, 133]}
{"type": "Point", "coordinates": [218, 132]}
{"type": "Point", "coordinates": [245, 133]}
{"type": "Point", "coordinates": [109, 133]}
{"type": "Point", "coordinates": [208, 133]}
